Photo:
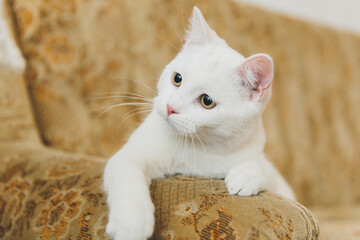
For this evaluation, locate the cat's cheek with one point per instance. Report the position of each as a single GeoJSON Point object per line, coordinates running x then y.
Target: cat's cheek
{"type": "Point", "coordinates": [160, 107]}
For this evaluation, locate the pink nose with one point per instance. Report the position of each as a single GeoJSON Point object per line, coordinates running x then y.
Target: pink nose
{"type": "Point", "coordinates": [170, 110]}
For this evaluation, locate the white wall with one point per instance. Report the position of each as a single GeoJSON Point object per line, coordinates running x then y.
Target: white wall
{"type": "Point", "coordinates": [340, 14]}
{"type": "Point", "coordinates": [9, 53]}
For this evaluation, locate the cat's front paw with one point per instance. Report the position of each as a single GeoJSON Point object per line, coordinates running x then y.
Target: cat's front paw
{"type": "Point", "coordinates": [131, 221]}
{"type": "Point", "coordinates": [245, 180]}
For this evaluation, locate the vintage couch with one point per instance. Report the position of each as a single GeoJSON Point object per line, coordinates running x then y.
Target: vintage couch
{"type": "Point", "coordinates": [54, 145]}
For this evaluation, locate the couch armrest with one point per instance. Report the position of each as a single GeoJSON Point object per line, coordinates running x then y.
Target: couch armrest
{"type": "Point", "coordinates": [49, 194]}
{"type": "Point", "coordinates": [198, 208]}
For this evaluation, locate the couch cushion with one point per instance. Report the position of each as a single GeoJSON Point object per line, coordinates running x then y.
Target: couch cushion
{"type": "Point", "coordinates": [49, 194]}
{"type": "Point", "coordinates": [71, 58]}
{"type": "Point", "coordinates": [16, 119]}
{"type": "Point", "coordinates": [76, 49]}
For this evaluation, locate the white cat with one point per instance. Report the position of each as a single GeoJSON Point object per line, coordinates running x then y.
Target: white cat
{"type": "Point", "coordinates": [210, 100]}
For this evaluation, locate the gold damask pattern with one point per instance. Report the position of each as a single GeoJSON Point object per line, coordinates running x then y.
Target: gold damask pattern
{"type": "Point", "coordinates": [203, 209]}
{"type": "Point", "coordinates": [47, 194]}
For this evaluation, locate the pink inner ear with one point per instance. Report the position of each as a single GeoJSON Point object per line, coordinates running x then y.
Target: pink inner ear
{"type": "Point", "coordinates": [257, 72]}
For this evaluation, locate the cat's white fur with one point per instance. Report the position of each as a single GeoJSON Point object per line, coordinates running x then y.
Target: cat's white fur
{"type": "Point", "coordinates": [226, 141]}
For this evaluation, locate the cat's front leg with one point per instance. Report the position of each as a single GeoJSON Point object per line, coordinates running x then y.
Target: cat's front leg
{"type": "Point", "coordinates": [131, 215]}
{"type": "Point", "coordinates": [246, 179]}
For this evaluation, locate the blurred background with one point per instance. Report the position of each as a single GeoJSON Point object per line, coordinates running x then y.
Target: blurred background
{"type": "Point", "coordinates": [340, 14]}
{"type": "Point", "coordinates": [83, 57]}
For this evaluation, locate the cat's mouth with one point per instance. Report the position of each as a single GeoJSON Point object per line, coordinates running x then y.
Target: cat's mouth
{"type": "Point", "coordinates": [181, 124]}
{"type": "Point", "coordinates": [177, 121]}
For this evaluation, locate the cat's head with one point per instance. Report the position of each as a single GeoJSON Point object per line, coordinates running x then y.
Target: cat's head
{"type": "Point", "coordinates": [211, 89]}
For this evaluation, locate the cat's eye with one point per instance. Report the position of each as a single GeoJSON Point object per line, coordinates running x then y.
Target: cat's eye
{"type": "Point", "coordinates": [206, 101]}
{"type": "Point", "coordinates": [177, 79]}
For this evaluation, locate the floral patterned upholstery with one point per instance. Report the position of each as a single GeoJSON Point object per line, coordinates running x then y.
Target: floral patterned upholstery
{"type": "Point", "coordinates": [77, 50]}
{"type": "Point", "coordinates": [50, 194]}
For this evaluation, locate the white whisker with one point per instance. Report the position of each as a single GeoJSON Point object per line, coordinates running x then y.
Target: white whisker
{"type": "Point", "coordinates": [137, 81]}
{"type": "Point", "coordinates": [185, 150]}
{"type": "Point", "coordinates": [123, 97]}
{"type": "Point", "coordinates": [124, 94]}
{"type": "Point", "coordinates": [133, 113]}
{"type": "Point", "coordinates": [177, 49]}
{"type": "Point", "coordinates": [108, 108]}
{"type": "Point", "coordinates": [182, 16]}
{"type": "Point", "coordinates": [195, 154]}
{"type": "Point", "coordinates": [178, 35]}
{"type": "Point", "coordinates": [201, 142]}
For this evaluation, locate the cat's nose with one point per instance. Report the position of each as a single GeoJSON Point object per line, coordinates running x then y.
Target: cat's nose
{"type": "Point", "coordinates": [170, 110]}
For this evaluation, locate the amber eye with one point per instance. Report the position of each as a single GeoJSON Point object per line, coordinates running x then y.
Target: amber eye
{"type": "Point", "coordinates": [206, 101]}
{"type": "Point", "coordinates": [177, 79]}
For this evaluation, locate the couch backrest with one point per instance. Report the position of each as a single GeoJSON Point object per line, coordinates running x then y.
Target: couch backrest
{"type": "Point", "coordinates": [78, 49]}
{"type": "Point", "coordinates": [16, 120]}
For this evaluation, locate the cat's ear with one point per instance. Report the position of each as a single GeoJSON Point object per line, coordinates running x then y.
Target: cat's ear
{"type": "Point", "coordinates": [256, 74]}
{"type": "Point", "coordinates": [199, 31]}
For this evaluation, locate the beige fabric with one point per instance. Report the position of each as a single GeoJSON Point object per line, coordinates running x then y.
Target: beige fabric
{"type": "Point", "coordinates": [49, 194]}
{"type": "Point", "coordinates": [16, 121]}
{"type": "Point", "coordinates": [77, 49]}
{"type": "Point", "coordinates": [203, 209]}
